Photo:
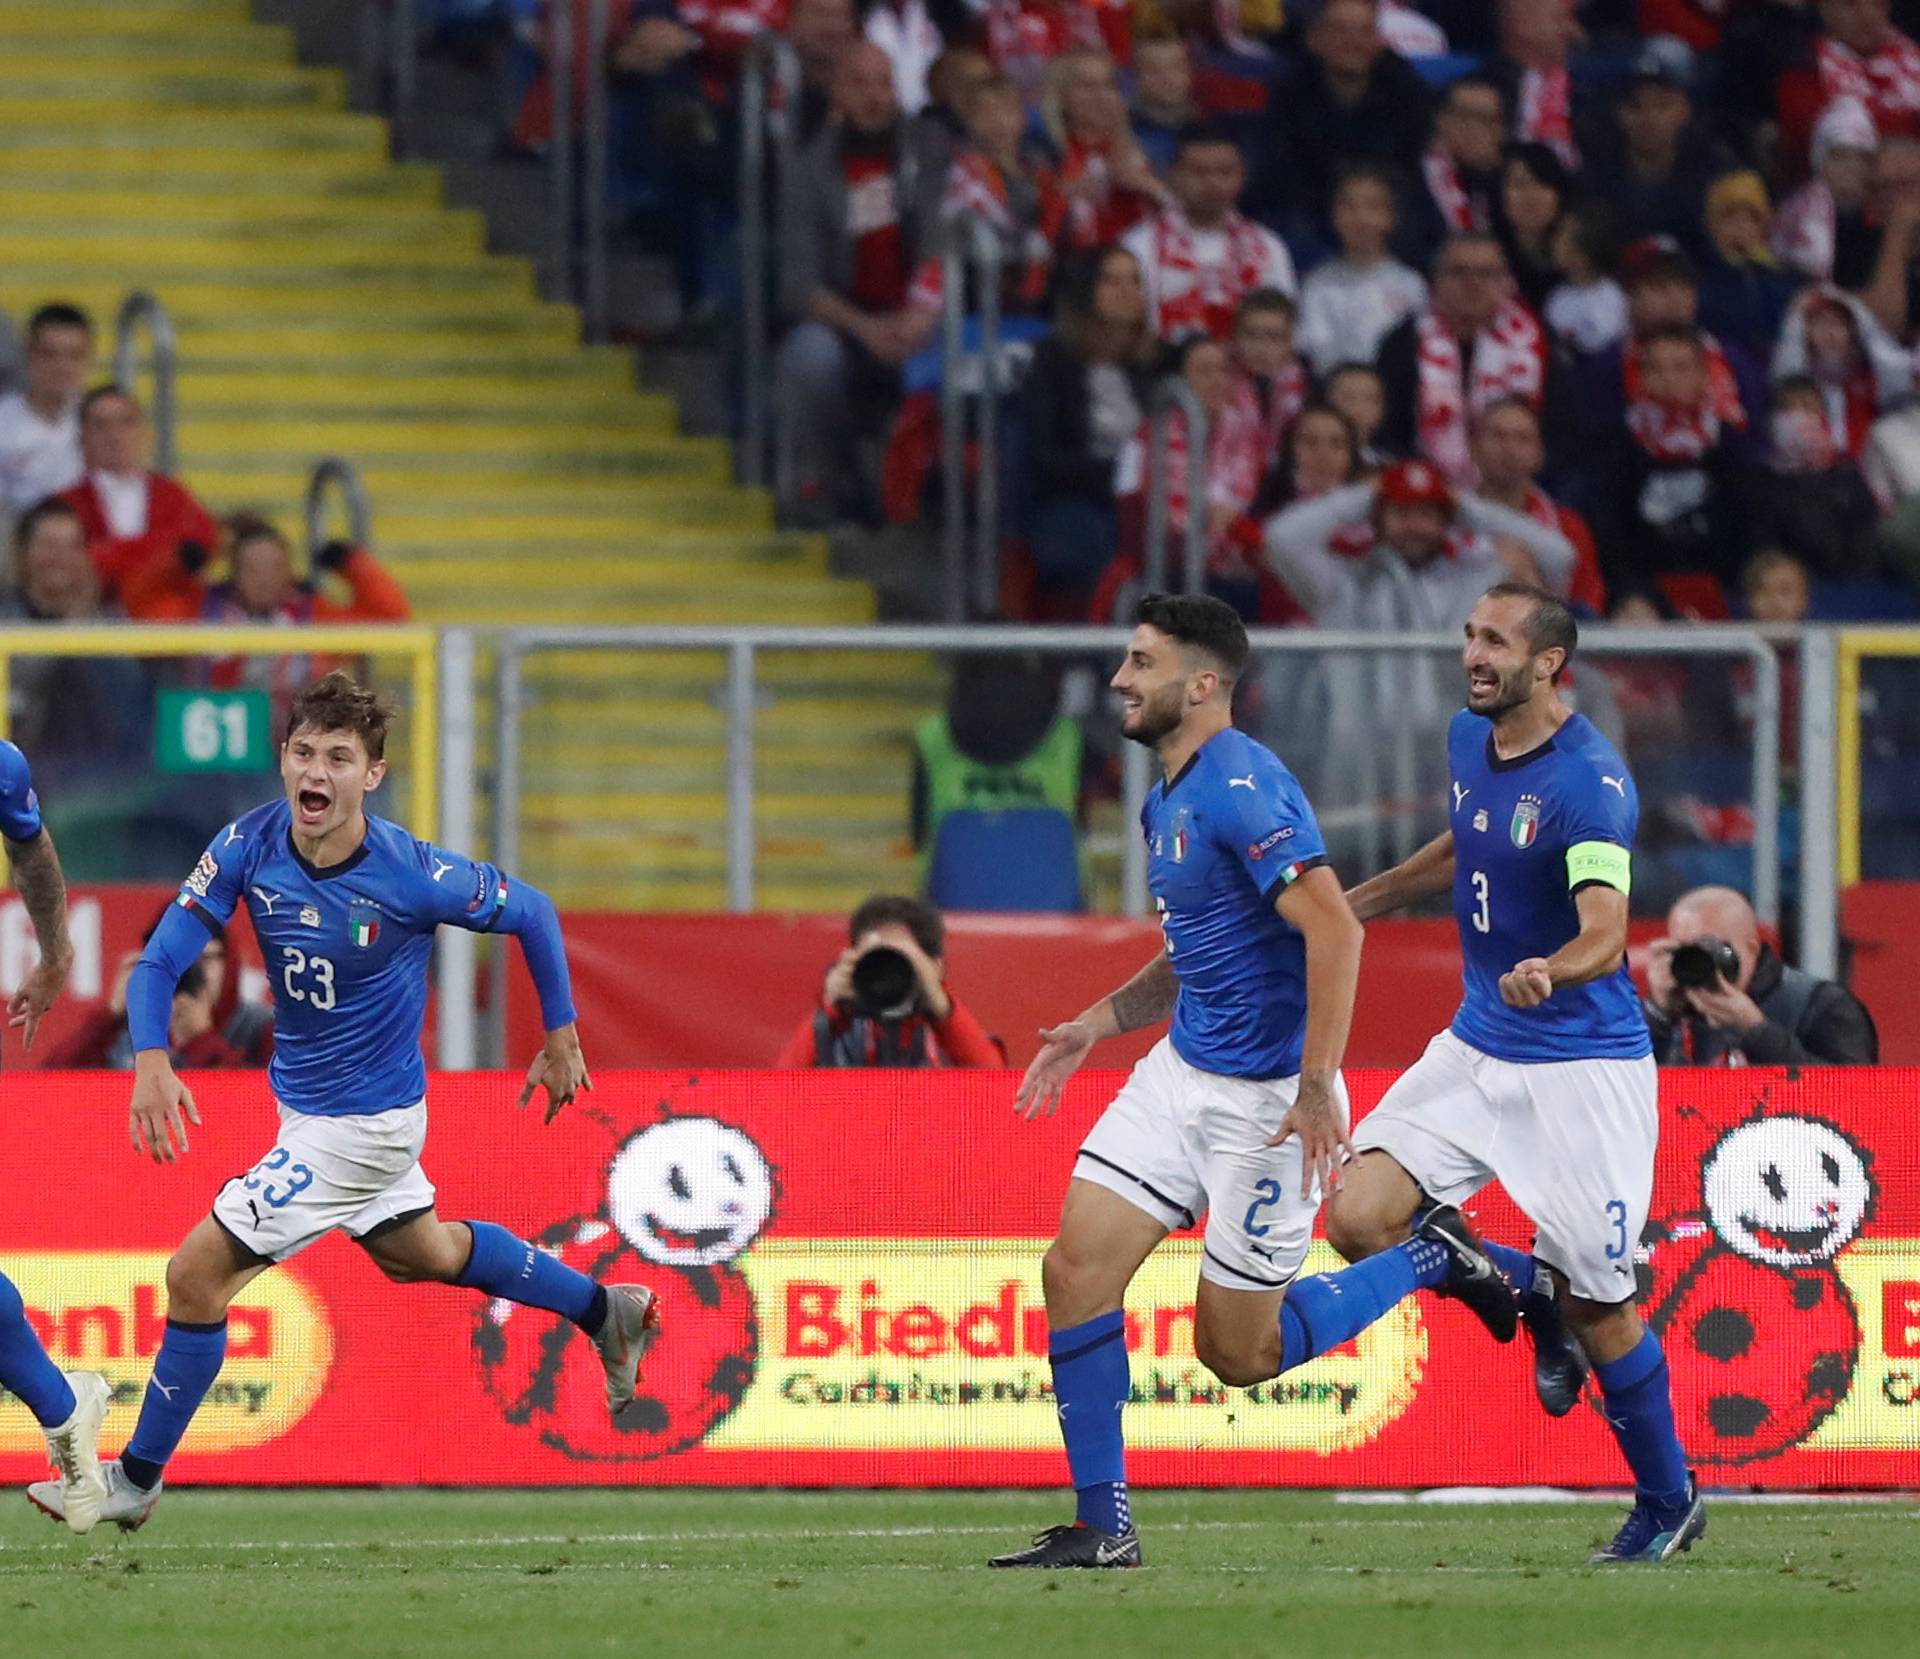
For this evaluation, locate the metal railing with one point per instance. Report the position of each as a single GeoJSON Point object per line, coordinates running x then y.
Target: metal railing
{"type": "Point", "coordinates": [770, 62]}
{"type": "Point", "coordinates": [335, 473]}
{"type": "Point", "coordinates": [138, 310]}
{"type": "Point", "coordinates": [971, 262]}
{"type": "Point", "coordinates": [1173, 395]}
{"type": "Point", "coordinates": [403, 46]}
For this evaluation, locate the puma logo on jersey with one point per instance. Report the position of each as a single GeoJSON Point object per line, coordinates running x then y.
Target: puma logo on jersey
{"type": "Point", "coordinates": [266, 898]}
{"type": "Point", "coordinates": [1617, 783]}
{"type": "Point", "coordinates": [1459, 795]}
{"type": "Point", "coordinates": [233, 835]}
{"type": "Point", "coordinates": [440, 868]}
{"type": "Point", "coordinates": [1241, 783]}
{"type": "Point", "coordinates": [165, 1391]}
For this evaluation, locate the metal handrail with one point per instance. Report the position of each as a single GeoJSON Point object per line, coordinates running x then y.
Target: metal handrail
{"type": "Point", "coordinates": [402, 46]}
{"type": "Point", "coordinates": [1171, 395]}
{"type": "Point", "coordinates": [138, 308]}
{"type": "Point", "coordinates": [769, 58]}
{"type": "Point", "coordinates": [971, 259]}
{"type": "Point", "coordinates": [560, 149]}
{"type": "Point", "coordinates": [595, 181]}
{"type": "Point", "coordinates": [336, 472]}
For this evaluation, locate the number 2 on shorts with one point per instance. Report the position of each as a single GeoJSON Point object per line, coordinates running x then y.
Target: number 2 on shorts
{"type": "Point", "coordinates": [1269, 1192]}
{"type": "Point", "coordinates": [1617, 1214]}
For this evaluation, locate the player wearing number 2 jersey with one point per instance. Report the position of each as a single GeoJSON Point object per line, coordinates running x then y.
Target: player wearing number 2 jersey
{"type": "Point", "coordinates": [1545, 1080]}
{"type": "Point", "coordinates": [1239, 1111]}
{"type": "Point", "coordinates": [344, 906]}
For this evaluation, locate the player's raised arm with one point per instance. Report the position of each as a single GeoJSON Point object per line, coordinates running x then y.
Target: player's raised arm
{"type": "Point", "coordinates": [1145, 999]}
{"type": "Point", "coordinates": [1428, 872]}
{"type": "Point", "coordinates": [462, 892]}
{"type": "Point", "coordinates": [1315, 907]}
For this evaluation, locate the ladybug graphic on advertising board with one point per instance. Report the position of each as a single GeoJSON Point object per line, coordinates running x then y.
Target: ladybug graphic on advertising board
{"type": "Point", "coordinates": [684, 1198]}
{"type": "Point", "coordinates": [1757, 1323]}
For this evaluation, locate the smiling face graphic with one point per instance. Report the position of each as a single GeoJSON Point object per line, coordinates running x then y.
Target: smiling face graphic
{"type": "Point", "coordinates": [690, 1192]}
{"type": "Point", "coordinates": [1788, 1191]}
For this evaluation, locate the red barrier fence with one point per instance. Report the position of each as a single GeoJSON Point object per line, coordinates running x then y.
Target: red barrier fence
{"type": "Point", "coordinates": [849, 1266]}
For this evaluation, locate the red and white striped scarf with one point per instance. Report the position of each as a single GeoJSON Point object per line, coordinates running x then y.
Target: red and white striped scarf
{"type": "Point", "coordinates": [1084, 222]}
{"type": "Point", "coordinates": [1670, 434]}
{"type": "Point", "coordinates": [1887, 81]}
{"type": "Point", "coordinates": [1192, 297]}
{"type": "Point", "coordinates": [1546, 112]}
{"type": "Point", "coordinates": [1461, 210]}
{"type": "Point", "coordinates": [976, 184]}
{"type": "Point", "coordinates": [1509, 360]}
{"type": "Point", "coordinates": [1234, 465]}
{"type": "Point", "coordinates": [1024, 36]}
{"type": "Point", "coordinates": [1271, 422]}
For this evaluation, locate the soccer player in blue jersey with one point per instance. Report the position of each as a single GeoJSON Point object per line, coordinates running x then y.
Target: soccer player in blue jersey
{"type": "Point", "coordinates": [70, 1406]}
{"type": "Point", "coordinates": [1240, 1111]}
{"type": "Point", "coordinates": [1545, 1080]}
{"type": "Point", "coordinates": [344, 906]}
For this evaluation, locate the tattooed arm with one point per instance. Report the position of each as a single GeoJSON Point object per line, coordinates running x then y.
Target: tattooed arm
{"type": "Point", "coordinates": [1145, 999]}
{"type": "Point", "coordinates": [43, 889]}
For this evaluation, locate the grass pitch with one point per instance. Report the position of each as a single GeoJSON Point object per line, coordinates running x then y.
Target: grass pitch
{"type": "Point", "coordinates": [365, 1575]}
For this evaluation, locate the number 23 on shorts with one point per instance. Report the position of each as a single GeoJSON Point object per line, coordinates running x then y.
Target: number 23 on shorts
{"type": "Point", "coordinates": [276, 1196]}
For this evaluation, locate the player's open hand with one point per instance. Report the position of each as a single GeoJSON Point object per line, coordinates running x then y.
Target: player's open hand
{"type": "Point", "coordinates": [559, 1068]}
{"type": "Point", "coordinates": [38, 992]}
{"type": "Point", "coordinates": [1061, 1050]}
{"type": "Point", "coordinates": [1325, 1145]}
{"type": "Point", "coordinates": [1527, 984]}
{"type": "Point", "coordinates": [161, 1107]}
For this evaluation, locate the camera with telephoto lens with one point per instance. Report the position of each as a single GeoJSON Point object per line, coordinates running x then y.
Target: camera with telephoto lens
{"type": "Point", "coordinates": [885, 984]}
{"type": "Point", "coordinates": [1705, 962]}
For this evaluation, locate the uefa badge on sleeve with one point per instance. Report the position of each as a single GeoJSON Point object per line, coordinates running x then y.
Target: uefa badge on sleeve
{"type": "Point", "coordinates": [1526, 821]}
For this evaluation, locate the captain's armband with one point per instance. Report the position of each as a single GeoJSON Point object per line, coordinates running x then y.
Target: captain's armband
{"type": "Point", "coordinates": [1605, 862]}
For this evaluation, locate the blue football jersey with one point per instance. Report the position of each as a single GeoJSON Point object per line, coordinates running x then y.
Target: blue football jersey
{"type": "Point", "coordinates": [1223, 837]}
{"type": "Point", "coordinates": [19, 805]}
{"type": "Point", "coordinates": [1514, 824]}
{"type": "Point", "coordinates": [346, 951]}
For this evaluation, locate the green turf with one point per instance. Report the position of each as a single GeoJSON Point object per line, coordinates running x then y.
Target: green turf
{"type": "Point", "coordinates": [353, 1575]}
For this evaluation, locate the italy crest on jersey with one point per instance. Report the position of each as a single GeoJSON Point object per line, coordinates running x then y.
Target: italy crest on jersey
{"type": "Point", "coordinates": [1526, 820]}
{"type": "Point", "coordinates": [1180, 836]}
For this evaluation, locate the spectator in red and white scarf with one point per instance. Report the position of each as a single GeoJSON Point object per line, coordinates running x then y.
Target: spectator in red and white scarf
{"type": "Point", "coordinates": [1812, 499]}
{"type": "Point", "coordinates": [1350, 304]}
{"type": "Point", "coordinates": [996, 181]}
{"type": "Point", "coordinates": [1808, 227]}
{"type": "Point", "coordinates": [867, 193]}
{"type": "Point", "coordinates": [1201, 256]}
{"type": "Point", "coordinates": [1675, 507]}
{"type": "Point", "coordinates": [1475, 343]}
{"type": "Point", "coordinates": [1857, 54]}
{"type": "Point", "coordinates": [1530, 67]}
{"type": "Point", "coordinates": [1269, 380]}
{"type": "Point", "coordinates": [1509, 453]}
{"type": "Point", "coordinates": [1106, 184]}
{"type": "Point", "coordinates": [1460, 170]}
{"type": "Point", "coordinates": [1858, 368]}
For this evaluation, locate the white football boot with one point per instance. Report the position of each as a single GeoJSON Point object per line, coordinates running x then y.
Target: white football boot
{"type": "Point", "coordinates": [124, 1504]}
{"type": "Point", "coordinates": [633, 1321]}
{"type": "Point", "coordinates": [74, 1447]}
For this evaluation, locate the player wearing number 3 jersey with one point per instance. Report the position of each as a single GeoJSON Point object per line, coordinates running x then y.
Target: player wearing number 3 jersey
{"type": "Point", "coordinates": [344, 906]}
{"type": "Point", "coordinates": [1545, 1080]}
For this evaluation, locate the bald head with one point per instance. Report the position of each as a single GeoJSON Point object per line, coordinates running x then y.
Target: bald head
{"type": "Point", "coordinates": [863, 92]}
{"type": "Point", "coordinates": [1717, 913]}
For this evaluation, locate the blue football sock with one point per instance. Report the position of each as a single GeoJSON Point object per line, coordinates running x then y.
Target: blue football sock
{"type": "Point", "coordinates": [505, 1266]}
{"type": "Point", "coordinates": [1331, 1308]}
{"type": "Point", "coordinates": [1090, 1387]}
{"type": "Point", "coordinates": [24, 1366]}
{"type": "Point", "coordinates": [1639, 1408]}
{"type": "Point", "coordinates": [1531, 1282]}
{"type": "Point", "coordinates": [183, 1371]}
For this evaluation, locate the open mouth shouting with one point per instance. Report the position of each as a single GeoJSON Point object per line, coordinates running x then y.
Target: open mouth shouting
{"type": "Point", "coordinates": [311, 806]}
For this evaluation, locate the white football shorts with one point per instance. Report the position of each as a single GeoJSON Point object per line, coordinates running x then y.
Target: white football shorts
{"type": "Point", "coordinates": [1178, 1141]}
{"type": "Point", "coordinates": [325, 1172]}
{"type": "Point", "coordinates": [1572, 1142]}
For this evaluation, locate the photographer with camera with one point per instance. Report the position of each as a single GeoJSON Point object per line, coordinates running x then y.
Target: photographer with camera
{"type": "Point", "coordinates": [886, 1002]}
{"type": "Point", "coordinates": [1718, 995]}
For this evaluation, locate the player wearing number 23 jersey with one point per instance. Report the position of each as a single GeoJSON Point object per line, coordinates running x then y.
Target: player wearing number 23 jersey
{"type": "Point", "coordinates": [344, 906]}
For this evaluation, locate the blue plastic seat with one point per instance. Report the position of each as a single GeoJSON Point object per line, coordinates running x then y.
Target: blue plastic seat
{"type": "Point", "coordinates": [1025, 859]}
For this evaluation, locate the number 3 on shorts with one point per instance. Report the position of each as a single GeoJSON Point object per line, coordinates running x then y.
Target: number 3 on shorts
{"type": "Point", "coordinates": [1617, 1214]}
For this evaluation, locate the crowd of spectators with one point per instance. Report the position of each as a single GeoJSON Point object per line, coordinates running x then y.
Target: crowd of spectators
{"type": "Point", "coordinates": [1684, 237]}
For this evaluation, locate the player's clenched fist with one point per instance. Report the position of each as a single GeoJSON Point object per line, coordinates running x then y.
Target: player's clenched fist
{"type": "Point", "coordinates": [1527, 984]}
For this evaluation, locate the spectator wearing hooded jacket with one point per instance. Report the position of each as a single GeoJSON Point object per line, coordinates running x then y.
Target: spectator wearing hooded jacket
{"type": "Point", "coordinates": [261, 585]}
